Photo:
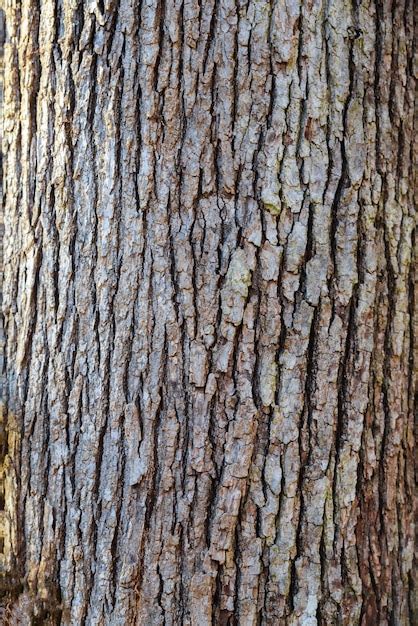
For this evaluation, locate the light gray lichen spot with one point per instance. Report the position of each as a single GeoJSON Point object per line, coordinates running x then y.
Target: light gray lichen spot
{"type": "Point", "coordinates": [235, 290]}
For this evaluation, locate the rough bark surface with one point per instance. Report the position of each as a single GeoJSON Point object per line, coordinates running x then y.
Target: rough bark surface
{"type": "Point", "coordinates": [208, 311]}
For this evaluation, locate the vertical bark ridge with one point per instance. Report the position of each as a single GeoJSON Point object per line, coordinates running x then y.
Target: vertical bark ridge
{"type": "Point", "coordinates": [208, 310]}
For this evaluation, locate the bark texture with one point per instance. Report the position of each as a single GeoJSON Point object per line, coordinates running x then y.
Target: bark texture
{"type": "Point", "coordinates": [208, 311]}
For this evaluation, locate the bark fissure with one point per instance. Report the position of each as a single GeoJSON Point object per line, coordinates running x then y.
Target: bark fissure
{"type": "Point", "coordinates": [209, 313]}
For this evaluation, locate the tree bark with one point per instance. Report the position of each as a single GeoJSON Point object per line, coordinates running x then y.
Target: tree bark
{"type": "Point", "coordinates": [208, 305]}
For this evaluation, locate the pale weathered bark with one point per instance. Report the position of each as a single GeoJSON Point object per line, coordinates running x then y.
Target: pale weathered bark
{"type": "Point", "coordinates": [208, 311]}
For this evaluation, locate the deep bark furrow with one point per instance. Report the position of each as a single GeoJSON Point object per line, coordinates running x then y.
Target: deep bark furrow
{"type": "Point", "coordinates": [209, 311]}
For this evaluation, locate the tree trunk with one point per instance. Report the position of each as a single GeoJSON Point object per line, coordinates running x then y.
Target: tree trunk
{"type": "Point", "coordinates": [208, 311]}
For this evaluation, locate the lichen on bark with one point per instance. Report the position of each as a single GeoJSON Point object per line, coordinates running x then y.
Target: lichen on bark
{"type": "Point", "coordinates": [208, 305]}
